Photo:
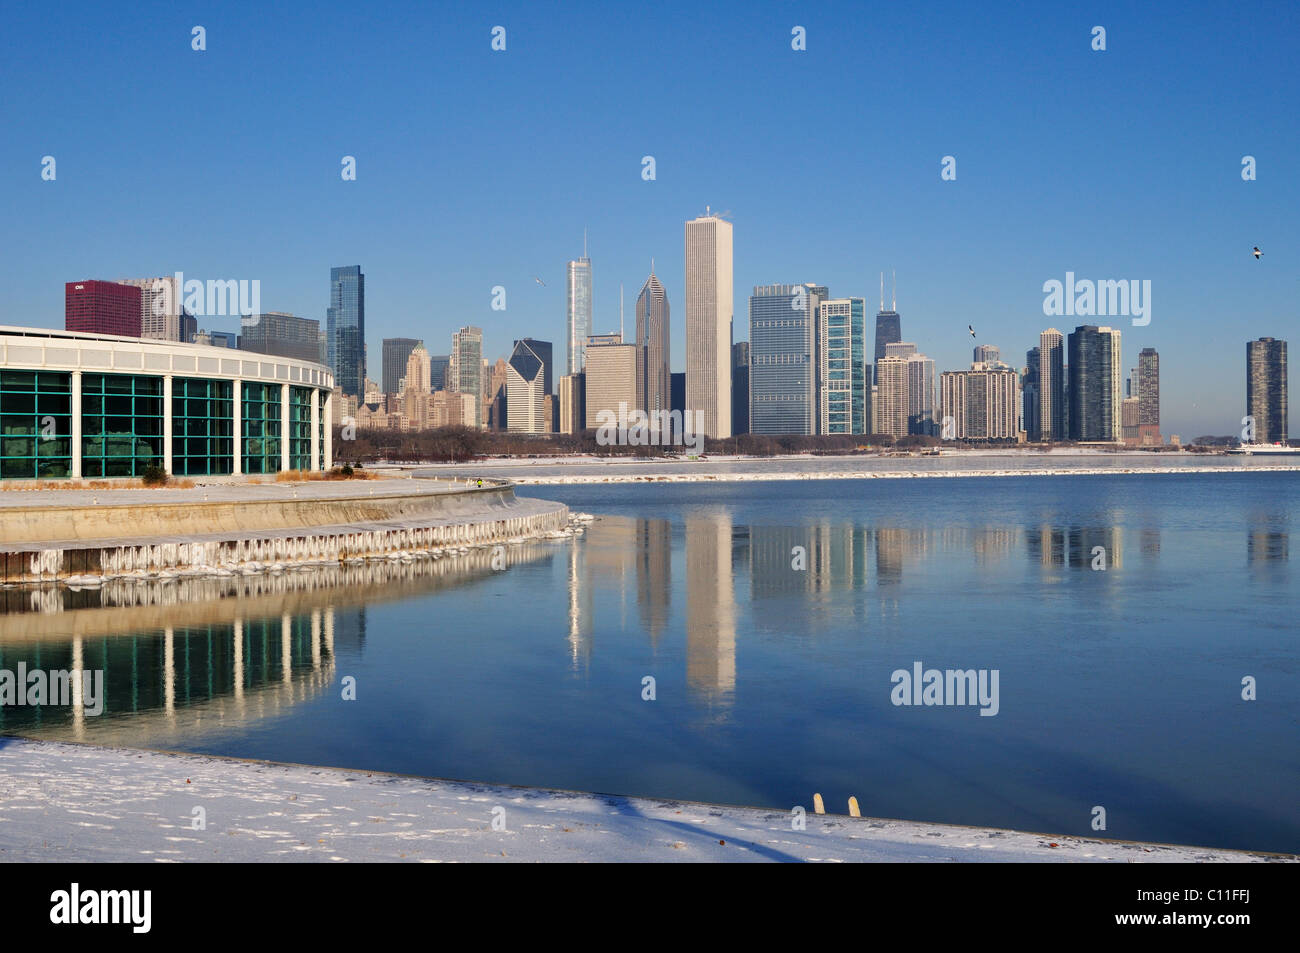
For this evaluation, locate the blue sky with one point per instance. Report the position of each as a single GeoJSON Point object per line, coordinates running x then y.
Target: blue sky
{"type": "Point", "coordinates": [477, 168]}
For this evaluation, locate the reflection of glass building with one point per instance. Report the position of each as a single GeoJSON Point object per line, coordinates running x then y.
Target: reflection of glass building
{"type": "Point", "coordinates": [159, 403]}
{"type": "Point", "coordinates": [346, 328]}
{"type": "Point", "coordinates": [654, 574]}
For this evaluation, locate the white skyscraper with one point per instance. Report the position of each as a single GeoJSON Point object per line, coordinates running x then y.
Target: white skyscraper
{"type": "Point", "coordinates": [708, 322]}
{"type": "Point", "coordinates": [160, 307]}
{"type": "Point", "coordinates": [577, 320]}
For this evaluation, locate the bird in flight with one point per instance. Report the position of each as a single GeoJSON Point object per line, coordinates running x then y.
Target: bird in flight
{"type": "Point", "coordinates": [1257, 253]}
{"type": "Point", "coordinates": [971, 330]}
{"type": "Point", "coordinates": [539, 281]}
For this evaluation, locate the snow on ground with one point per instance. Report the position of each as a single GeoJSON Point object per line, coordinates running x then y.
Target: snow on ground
{"type": "Point", "coordinates": [64, 802]}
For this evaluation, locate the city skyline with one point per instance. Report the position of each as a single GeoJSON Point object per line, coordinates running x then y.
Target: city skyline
{"type": "Point", "coordinates": [435, 241]}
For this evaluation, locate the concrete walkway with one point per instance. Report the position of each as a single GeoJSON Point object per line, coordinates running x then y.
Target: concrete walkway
{"type": "Point", "coordinates": [63, 802]}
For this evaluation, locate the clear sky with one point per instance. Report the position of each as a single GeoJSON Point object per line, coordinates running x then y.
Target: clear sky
{"type": "Point", "coordinates": [478, 168]}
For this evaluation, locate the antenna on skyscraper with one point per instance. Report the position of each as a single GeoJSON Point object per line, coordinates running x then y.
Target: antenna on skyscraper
{"type": "Point", "coordinates": [652, 264]}
{"type": "Point", "coordinates": [893, 303]}
{"type": "Point", "coordinates": [882, 291]}
{"type": "Point", "coordinates": [620, 311]}
{"type": "Point", "coordinates": [584, 241]}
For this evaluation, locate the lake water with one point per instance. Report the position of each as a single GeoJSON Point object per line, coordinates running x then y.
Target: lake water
{"type": "Point", "coordinates": [772, 618]}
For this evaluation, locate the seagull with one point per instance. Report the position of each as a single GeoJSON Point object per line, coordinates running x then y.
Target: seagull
{"type": "Point", "coordinates": [539, 281]}
{"type": "Point", "coordinates": [1257, 253]}
{"type": "Point", "coordinates": [971, 330]}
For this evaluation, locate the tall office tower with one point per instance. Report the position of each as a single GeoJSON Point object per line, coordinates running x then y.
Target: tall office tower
{"type": "Point", "coordinates": [346, 328]}
{"type": "Point", "coordinates": [889, 326]}
{"type": "Point", "coordinates": [101, 307]}
{"type": "Point", "coordinates": [1147, 391]}
{"type": "Point", "coordinates": [982, 402]}
{"type": "Point", "coordinates": [891, 396]}
{"type": "Point", "coordinates": [708, 323]}
{"type": "Point", "coordinates": [987, 354]}
{"type": "Point", "coordinates": [1051, 385]}
{"type": "Point", "coordinates": [739, 387]}
{"type": "Point", "coordinates": [577, 321]}
{"type": "Point", "coordinates": [843, 376]}
{"type": "Point", "coordinates": [1116, 384]}
{"type": "Point", "coordinates": [1266, 395]}
{"type": "Point", "coordinates": [465, 370]}
{"type": "Point", "coordinates": [573, 410]}
{"type": "Point", "coordinates": [1094, 384]}
{"type": "Point", "coordinates": [160, 307]}
{"type": "Point", "coordinates": [395, 354]}
{"type": "Point", "coordinates": [782, 359]}
{"type": "Point", "coordinates": [438, 369]}
{"type": "Point", "coordinates": [544, 351]}
{"type": "Point", "coordinates": [526, 390]}
{"type": "Point", "coordinates": [417, 373]}
{"type": "Point", "coordinates": [920, 395]}
{"type": "Point", "coordinates": [281, 334]}
{"type": "Point", "coordinates": [1030, 398]}
{"type": "Point", "coordinates": [652, 343]}
{"type": "Point", "coordinates": [610, 380]}
{"type": "Point", "coordinates": [1129, 424]}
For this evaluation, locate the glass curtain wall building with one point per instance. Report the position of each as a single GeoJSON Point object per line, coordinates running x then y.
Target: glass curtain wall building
{"type": "Point", "coordinates": [346, 328]}
{"type": "Point", "coordinates": [81, 405]}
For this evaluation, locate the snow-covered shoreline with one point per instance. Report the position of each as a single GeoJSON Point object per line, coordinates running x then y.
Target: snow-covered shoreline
{"type": "Point", "coordinates": [71, 802]}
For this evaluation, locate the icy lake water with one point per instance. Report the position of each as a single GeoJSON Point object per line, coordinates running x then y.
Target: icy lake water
{"type": "Point", "coordinates": [772, 618]}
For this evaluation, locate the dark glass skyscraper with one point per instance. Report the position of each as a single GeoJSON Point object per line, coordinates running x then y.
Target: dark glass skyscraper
{"type": "Point", "coordinates": [1266, 397]}
{"type": "Point", "coordinates": [1093, 374]}
{"type": "Point", "coordinates": [889, 330]}
{"type": "Point", "coordinates": [346, 328]}
{"type": "Point", "coordinates": [740, 387]}
{"type": "Point", "coordinates": [652, 338]}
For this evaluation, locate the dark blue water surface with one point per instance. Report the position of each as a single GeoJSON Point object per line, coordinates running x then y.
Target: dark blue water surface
{"type": "Point", "coordinates": [1119, 687]}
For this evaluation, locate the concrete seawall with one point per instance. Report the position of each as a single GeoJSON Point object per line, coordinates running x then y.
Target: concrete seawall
{"type": "Point", "coordinates": [81, 538]}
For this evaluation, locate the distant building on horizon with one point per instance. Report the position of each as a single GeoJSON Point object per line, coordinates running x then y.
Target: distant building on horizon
{"type": "Point", "coordinates": [1095, 373]}
{"type": "Point", "coordinates": [739, 387]}
{"type": "Point", "coordinates": [526, 391]}
{"type": "Point", "coordinates": [843, 380]}
{"type": "Point", "coordinates": [982, 402]}
{"type": "Point", "coordinates": [346, 328]}
{"type": "Point", "coordinates": [1266, 389]}
{"type": "Point", "coordinates": [282, 334]}
{"type": "Point", "coordinates": [1031, 401]}
{"type": "Point", "coordinates": [709, 302]}
{"type": "Point", "coordinates": [465, 369]}
{"type": "Point", "coordinates": [439, 365]}
{"type": "Point", "coordinates": [1148, 397]}
{"type": "Point", "coordinates": [889, 326]}
{"type": "Point", "coordinates": [652, 341]}
{"type": "Point", "coordinates": [578, 313]}
{"type": "Point", "coordinates": [395, 352]}
{"type": "Point", "coordinates": [161, 309]}
{"type": "Point", "coordinates": [1051, 385]}
{"type": "Point", "coordinates": [987, 354]}
{"type": "Point", "coordinates": [891, 396]}
{"type": "Point", "coordinates": [610, 380]}
{"type": "Point", "coordinates": [101, 307]}
{"type": "Point", "coordinates": [783, 358]}
{"type": "Point", "coordinates": [573, 410]}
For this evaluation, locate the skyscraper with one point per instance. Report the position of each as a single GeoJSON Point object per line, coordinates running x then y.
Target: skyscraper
{"type": "Point", "coordinates": [160, 308]}
{"type": "Point", "coordinates": [889, 326]}
{"type": "Point", "coordinates": [610, 380]}
{"type": "Point", "coordinates": [577, 322]}
{"type": "Point", "coordinates": [395, 353]}
{"type": "Point", "coordinates": [466, 367]}
{"type": "Point", "coordinates": [526, 391]}
{"type": "Point", "coordinates": [1148, 395]}
{"type": "Point", "coordinates": [1266, 389]}
{"type": "Point", "coordinates": [281, 334]}
{"type": "Point", "coordinates": [920, 395]}
{"type": "Point", "coordinates": [346, 328]}
{"type": "Point", "coordinates": [544, 351]}
{"type": "Point", "coordinates": [1030, 397]}
{"type": "Point", "coordinates": [739, 387]}
{"type": "Point", "coordinates": [782, 359]}
{"type": "Point", "coordinates": [708, 323]}
{"type": "Point", "coordinates": [891, 396]}
{"type": "Point", "coordinates": [1095, 370]}
{"type": "Point", "coordinates": [652, 346]}
{"type": "Point", "coordinates": [439, 365]}
{"type": "Point", "coordinates": [987, 354]}
{"type": "Point", "coordinates": [1051, 385]}
{"type": "Point", "coordinates": [982, 402]}
{"type": "Point", "coordinates": [101, 307]}
{"type": "Point", "coordinates": [843, 376]}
